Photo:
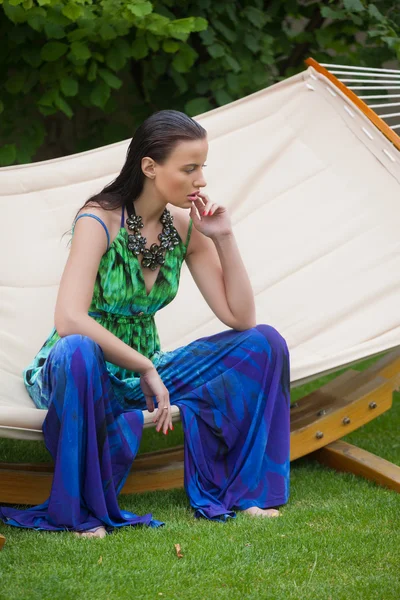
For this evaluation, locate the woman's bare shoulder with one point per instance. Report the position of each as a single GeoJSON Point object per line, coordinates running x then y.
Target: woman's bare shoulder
{"type": "Point", "coordinates": [110, 218]}
{"type": "Point", "coordinates": [94, 208]}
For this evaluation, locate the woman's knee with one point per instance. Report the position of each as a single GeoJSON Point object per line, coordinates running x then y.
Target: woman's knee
{"type": "Point", "coordinates": [69, 344]}
{"type": "Point", "coordinates": [272, 337]}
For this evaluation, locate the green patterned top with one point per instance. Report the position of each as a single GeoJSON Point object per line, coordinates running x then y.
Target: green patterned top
{"type": "Point", "coordinates": [120, 301]}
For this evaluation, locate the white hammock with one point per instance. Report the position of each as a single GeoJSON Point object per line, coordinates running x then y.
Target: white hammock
{"type": "Point", "coordinates": [313, 190]}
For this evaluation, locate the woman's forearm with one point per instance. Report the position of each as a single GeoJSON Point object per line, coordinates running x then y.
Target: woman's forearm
{"type": "Point", "coordinates": [115, 350]}
{"type": "Point", "coordinates": [239, 293]}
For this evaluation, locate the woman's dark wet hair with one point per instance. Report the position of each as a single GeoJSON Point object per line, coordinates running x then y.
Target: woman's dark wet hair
{"type": "Point", "coordinates": [156, 137]}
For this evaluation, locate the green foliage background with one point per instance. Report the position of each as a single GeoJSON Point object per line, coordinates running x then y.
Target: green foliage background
{"type": "Point", "coordinates": [78, 74]}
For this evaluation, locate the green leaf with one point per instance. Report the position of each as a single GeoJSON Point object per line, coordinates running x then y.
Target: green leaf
{"type": "Point", "coordinates": [231, 13]}
{"type": "Point", "coordinates": [375, 14]}
{"type": "Point", "coordinates": [233, 82]}
{"type": "Point", "coordinates": [36, 22]}
{"type": "Point", "coordinates": [44, 2]}
{"type": "Point", "coordinates": [54, 31]}
{"type": "Point", "coordinates": [48, 98]}
{"type": "Point", "coordinates": [257, 17]}
{"type": "Point", "coordinates": [354, 5]}
{"type": "Point", "coordinates": [140, 9]}
{"type": "Point", "coordinates": [47, 110]}
{"type": "Point", "coordinates": [113, 81]}
{"type": "Point", "coordinates": [160, 65]}
{"type": "Point", "coordinates": [329, 13]}
{"type": "Point", "coordinates": [184, 25]}
{"type": "Point", "coordinates": [226, 32]}
{"type": "Point", "coordinates": [184, 59]}
{"type": "Point", "coordinates": [115, 60]}
{"type": "Point", "coordinates": [100, 94]}
{"type": "Point", "coordinates": [216, 50]}
{"type": "Point", "coordinates": [233, 63]}
{"type": "Point", "coordinates": [179, 81]}
{"type": "Point", "coordinates": [208, 36]}
{"type": "Point", "coordinates": [197, 106]}
{"type": "Point", "coordinates": [80, 50]}
{"type": "Point", "coordinates": [222, 97]}
{"type": "Point", "coordinates": [170, 46]}
{"type": "Point", "coordinates": [99, 57]}
{"type": "Point", "coordinates": [53, 51]}
{"type": "Point", "coordinates": [152, 42]}
{"type": "Point", "coordinates": [8, 154]}
{"type": "Point", "coordinates": [1, 107]}
{"type": "Point", "coordinates": [158, 24]}
{"type": "Point", "coordinates": [55, 16]}
{"type": "Point", "coordinates": [69, 86]}
{"type": "Point", "coordinates": [123, 47]}
{"type": "Point", "coordinates": [28, 4]}
{"type": "Point", "coordinates": [82, 33]}
{"type": "Point", "coordinates": [252, 43]}
{"type": "Point", "coordinates": [181, 28]}
{"type": "Point", "coordinates": [202, 87]}
{"type": "Point", "coordinates": [199, 24]}
{"type": "Point", "coordinates": [64, 107]}
{"type": "Point", "coordinates": [30, 81]}
{"type": "Point", "coordinates": [139, 48]}
{"type": "Point", "coordinates": [107, 32]}
{"type": "Point", "coordinates": [15, 83]}
{"type": "Point", "coordinates": [92, 71]}
{"type": "Point", "coordinates": [72, 11]}
{"type": "Point", "coordinates": [24, 155]}
{"type": "Point", "coordinates": [16, 14]}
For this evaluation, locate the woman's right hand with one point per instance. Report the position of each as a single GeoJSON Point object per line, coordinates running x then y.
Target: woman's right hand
{"type": "Point", "coordinates": [152, 385]}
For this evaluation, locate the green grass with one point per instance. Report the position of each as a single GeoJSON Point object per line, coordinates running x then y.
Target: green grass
{"type": "Point", "coordinates": [338, 539]}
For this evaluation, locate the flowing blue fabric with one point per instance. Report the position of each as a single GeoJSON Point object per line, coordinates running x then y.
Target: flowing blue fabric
{"type": "Point", "coordinates": [232, 390]}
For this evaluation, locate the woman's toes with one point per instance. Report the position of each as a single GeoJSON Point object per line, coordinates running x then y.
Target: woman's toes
{"type": "Point", "coordinates": [255, 511]}
{"type": "Point", "coordinates": [98, 532]}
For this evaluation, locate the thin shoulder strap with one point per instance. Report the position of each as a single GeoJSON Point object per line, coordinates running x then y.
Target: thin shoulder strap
{"type": "Point", "coordinates": [122, 216]}
{"type": "Point", "coordinates": [189, 233]}
{"type": "Point", "coordinates": [97, 219]}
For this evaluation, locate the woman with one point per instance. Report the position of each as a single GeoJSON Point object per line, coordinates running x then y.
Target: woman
{"type": "Point", "coordinates": [102, 365]}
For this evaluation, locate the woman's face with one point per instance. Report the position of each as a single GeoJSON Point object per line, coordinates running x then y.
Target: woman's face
{"type": "Point", "coordinates": [182, 173]}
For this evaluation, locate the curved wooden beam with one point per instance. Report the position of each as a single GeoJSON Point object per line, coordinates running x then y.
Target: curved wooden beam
{"type": "Point", "coordinates": [372, 116]}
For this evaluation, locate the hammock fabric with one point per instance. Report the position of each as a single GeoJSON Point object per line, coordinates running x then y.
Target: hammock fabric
{"type": "Point", "coordinates": [312, 187]}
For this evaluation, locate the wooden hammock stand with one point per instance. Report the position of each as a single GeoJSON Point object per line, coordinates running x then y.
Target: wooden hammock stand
{"type": "Point", "coordinates": [318, 420]}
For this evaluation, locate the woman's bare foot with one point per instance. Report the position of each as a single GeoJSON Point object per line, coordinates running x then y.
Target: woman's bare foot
{"type": "Point", "coordinates": [97, 532]}
{"type": "Point", "coordinates": [254, 511]}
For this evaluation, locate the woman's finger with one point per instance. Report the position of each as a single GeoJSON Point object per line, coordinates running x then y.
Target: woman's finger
{"type": "Point", "coordinates": [200, 203]}
{"type": "Point", "coordinates": [210, 209]}
{"type": "Point", "coordinates": [160, 404]}
{"type": "Point", "coordinates": [163, 422]}
{"type": "Point", "coordinates": [149, 403]}
{"type": "Point", "coordinates": [203, 197]}
{"type": "Point", "coordinates": [167, 421]}
{"type": "Point", "coordinates": [163, 414]}
{"type": "Point", "coordinates": [194, 214]}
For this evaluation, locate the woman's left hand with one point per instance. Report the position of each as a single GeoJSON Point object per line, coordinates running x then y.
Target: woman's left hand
{"type": "Point", "coordinates": [214, 219]}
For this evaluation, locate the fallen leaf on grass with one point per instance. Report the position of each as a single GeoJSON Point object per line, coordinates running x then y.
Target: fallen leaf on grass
{"type": "Point", "coordinates": [100, 560]}
{"type": "Point", "coordinates": [178, 550]}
